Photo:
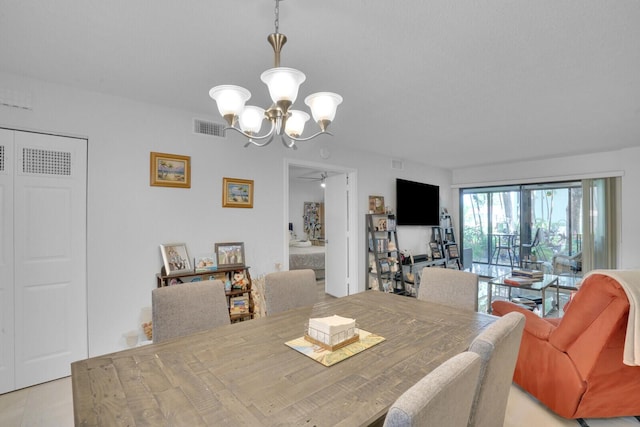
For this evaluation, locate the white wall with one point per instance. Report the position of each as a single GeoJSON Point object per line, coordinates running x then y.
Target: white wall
{"type": "Point", "coordinates": [622, 162]}
{"type": "Point", "coordinates": [128, 219]}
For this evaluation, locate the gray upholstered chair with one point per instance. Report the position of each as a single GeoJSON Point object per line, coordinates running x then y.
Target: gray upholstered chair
{"type": "Point", "coordinates": [188, 308]}
{"type": "Point", "coordinates": [285, 290]}
{"type": "Point", "coordinates": [455, 288]}
{"type": "Point", "coordinates": [498, 347]}
{"type": "Point", "coordinates": [442, 398]}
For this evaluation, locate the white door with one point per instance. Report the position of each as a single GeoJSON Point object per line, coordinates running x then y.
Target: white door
{"type": "Point", "coordinates": [6, 261]}
{"type": "Point", "coordinates": [49, 256]}
{"type": "Point", "coordinates": [336, 215]}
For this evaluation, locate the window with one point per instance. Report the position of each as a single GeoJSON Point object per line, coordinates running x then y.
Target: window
{"type": "Point", "coordinates": [521, 210]}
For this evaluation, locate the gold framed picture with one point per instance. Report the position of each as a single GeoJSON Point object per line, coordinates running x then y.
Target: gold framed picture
{"type": "Point", "coordinates": [237, 193]}
{"type": "Point", "coordinates": [170, 170]}
{"type": "Point", "coordinates": [376, 204]}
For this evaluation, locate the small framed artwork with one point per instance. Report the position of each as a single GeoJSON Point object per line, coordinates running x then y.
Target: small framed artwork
{"type": "Point", "coordinates": [205, 262]}
{"type": "Point", "coordinates": [382, 225]}
{"type": "Point", "coordinates": [176, 258]}
{"type": "Point", "coordinates": [376, 204]}
{"type": "Point", "coordinates": [435, 250]}
{"type": "Point", "coordinates": [170, 170]}
{"type": "Point", "coordinates": [453, 251]}
{"type": "Point", "coordinates": [230, 255]}
{"type": "Point", "coordinates": [237, 193]}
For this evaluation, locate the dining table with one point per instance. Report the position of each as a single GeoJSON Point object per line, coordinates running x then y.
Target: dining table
{"type": "Point", "coordinates": [244, 373]}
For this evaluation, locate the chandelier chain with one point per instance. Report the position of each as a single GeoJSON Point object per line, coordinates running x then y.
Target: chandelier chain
{"type": "Point", "coordinates": [277, 20]}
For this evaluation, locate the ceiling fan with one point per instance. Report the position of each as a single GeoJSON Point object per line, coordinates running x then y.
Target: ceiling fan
{"type": "Point", "coordinates": [322, 178]}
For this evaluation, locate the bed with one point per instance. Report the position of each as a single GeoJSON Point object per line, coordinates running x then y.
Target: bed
{"type": "Point", "coordinates": [304, 255]}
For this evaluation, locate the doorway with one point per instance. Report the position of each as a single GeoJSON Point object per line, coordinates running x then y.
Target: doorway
{"type": "Point", "coordinates": [335, 235]}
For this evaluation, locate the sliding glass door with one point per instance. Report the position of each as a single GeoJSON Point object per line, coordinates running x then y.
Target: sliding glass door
{"type": "Point", "coordinates": [537, 221]}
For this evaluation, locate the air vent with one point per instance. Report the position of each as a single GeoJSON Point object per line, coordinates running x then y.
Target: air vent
{"type": "Point", "coordinates": [46, 162]}
{"type": "Point", "coordinates": [208, 128]}
{"type": "Point", "coordinates": [1, 158]}
{"type": "Point", "coordinates": [397, 164]}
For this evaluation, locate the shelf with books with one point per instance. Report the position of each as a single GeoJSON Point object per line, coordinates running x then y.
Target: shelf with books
{"type": "Point", "coordinates": [237, 282]}
{"type": "Point", "coordinates": [384, 269]}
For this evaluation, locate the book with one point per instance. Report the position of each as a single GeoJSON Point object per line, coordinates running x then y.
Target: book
{"type": "Point", "coordinates": [527, 272]}
{"type": "Point", "coordinates": [518, 280]}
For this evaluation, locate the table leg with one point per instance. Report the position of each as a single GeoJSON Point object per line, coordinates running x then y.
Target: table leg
{"type": "Point", "coordinates": [544, 299]}
{"type": "Point", "coordinates": [489, 292]}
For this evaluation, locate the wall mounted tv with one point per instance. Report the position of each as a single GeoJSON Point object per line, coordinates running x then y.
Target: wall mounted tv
{"type": "Point", "coordinates": [417, 203]}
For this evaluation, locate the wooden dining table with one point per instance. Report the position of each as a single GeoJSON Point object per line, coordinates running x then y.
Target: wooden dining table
{"type": "Point", "coordinates": [244, 374]}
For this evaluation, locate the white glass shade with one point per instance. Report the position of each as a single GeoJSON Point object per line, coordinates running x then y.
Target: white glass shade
{"type": "Point", "coordinates": [283, 83]}
{"type": "Point", "coordinates": [251, 119]}
{"type": "Point", "coordinates": [295, 123]}
{"type": "Point", "coordinates": [230, 99]}
{"type": "Point", "coordinates": [323, 105]}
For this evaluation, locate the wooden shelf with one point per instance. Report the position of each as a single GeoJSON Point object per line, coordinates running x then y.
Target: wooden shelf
{"type": "Point", "coordinates": [224, 274]}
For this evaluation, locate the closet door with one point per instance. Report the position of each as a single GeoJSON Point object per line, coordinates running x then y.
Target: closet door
{"type": "Point", "coordinates": [49, 256]}
{"type": "Point", "coordinates": [6, 261]}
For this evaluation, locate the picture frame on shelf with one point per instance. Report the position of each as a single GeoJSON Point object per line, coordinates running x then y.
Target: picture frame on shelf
{"type": "Point", "coordinates": [435, 250]}
{"type": "Point", "coordinates": [376, 204]}
{"type": "Point", "coordinates": [230, 255]}
{"type": "Point", "coordinates": [384, 266]}
{"type": "Point", "coordinates": [176, 259]}
{"type": "Point", "coordinates": [237, 193]}
{"type": "Point", "coordinates": [170, 170]}
{"type": "Point", "coordinates": [382, 224]}
{"type": "Point", "coordinates": [453, 251]}
{"type": "Point", "coordinates": [205, 262]}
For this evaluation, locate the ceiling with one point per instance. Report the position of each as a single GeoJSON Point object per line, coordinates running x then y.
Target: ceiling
{"type": "Point", "coordinates": [445, 82]}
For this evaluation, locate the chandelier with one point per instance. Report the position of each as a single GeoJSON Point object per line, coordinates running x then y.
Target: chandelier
{"type": "Point", "coordinates": [283, 84]}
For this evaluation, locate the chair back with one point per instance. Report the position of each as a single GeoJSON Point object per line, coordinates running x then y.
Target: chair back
{"type": "Point", "coordinates": [498, 348]}
{"type": "Point", "coordinates": [188, 308]}
{"type": "Point", "coordinates": [286, 290]}
{"type": "Point", "coordinates": [455, 288]}
{"type": "Point", "coordinates": [442, 398]}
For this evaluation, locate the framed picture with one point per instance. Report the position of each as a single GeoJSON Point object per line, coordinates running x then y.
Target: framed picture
{"type": "Point", "coordinates": [176, 258]}
{"type": "Point", "coordinates": [376, 204]}
{"type": "Point", "coordinates": [382, 224]}
{"type": "Point", "coordinates": [230, 254]}
{"type": "Point", "coordinates": [435, 250]}
{"type": "Point", "coordinates": [205, 262]}
{"type": "Point", "coordinates": [453, 251]}
{"type": "Point", "coordinates": [237, 193]}
{"type": "Point", "coordinates": [170, 170]}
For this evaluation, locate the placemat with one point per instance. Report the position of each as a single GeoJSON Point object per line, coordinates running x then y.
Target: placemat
{"type": "Point", "coordinates": [328, 358]}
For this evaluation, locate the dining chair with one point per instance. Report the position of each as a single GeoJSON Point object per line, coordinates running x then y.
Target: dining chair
{"type": "Point", "coordinates": [442, 398]}
{"type": "Point", "coordinates": [286, 290]}
{"type": "Point", "coordinates": [455, 288]}
{"type": "Point", "coordinates": [188, 308]}
{"type": "Point", "coordinates": [498, 348]}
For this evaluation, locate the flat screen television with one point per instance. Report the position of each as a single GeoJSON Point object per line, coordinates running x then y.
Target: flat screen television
{"type": "Point", "coordinates": [417, 203]}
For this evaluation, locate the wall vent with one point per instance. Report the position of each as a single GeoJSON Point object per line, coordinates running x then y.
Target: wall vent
{"type": "Point", "coordinates": [46, 162]}
{"type": "Point", "coordinates": [204, 127]}
{"type": "Point", "coordinates": [397, 164]}
{"type": "Point", "coordinates": [1, 158]}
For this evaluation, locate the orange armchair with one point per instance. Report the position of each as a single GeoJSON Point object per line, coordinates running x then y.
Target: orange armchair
{"type": "Point", "coordinates": [573, 364]}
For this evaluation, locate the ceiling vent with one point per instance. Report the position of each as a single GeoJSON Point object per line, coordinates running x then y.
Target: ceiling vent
{"type": "Point", "coordinates": [397, 164]}
{"type": "Point", "coordinates": [204, 127]}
